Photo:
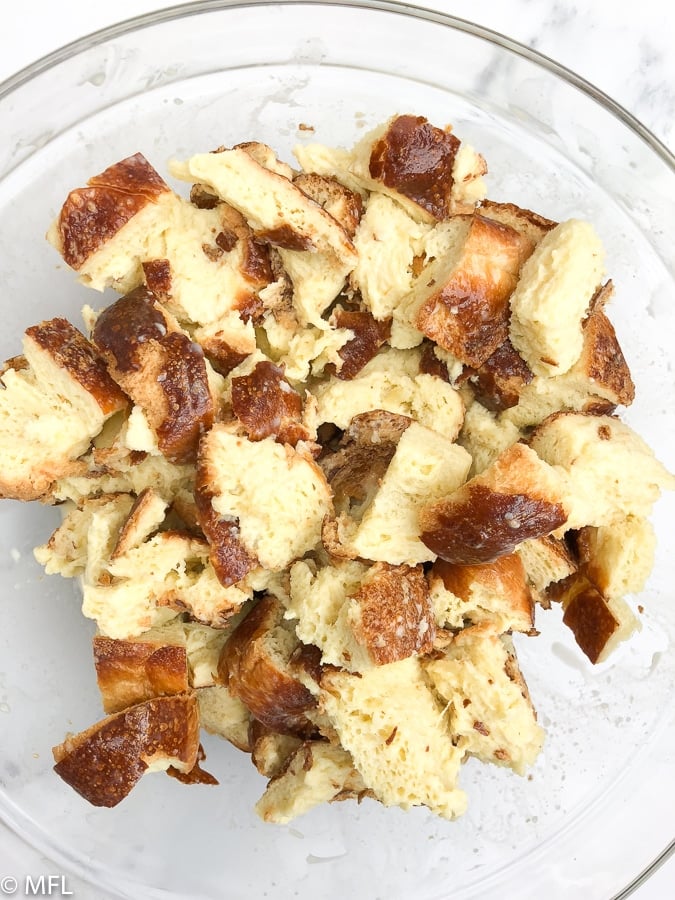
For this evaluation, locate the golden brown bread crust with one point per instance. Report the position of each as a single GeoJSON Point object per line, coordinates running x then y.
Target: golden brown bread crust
{"type": "Point", "coordinates": [416, 159]}
{"type": "Point", "coordinates": [160, 368]}
{"type": "Point", "coordinates": [495, 511]}
{"type": "Point", "coordinates": [337, 200]}
{"type": "Point", "coordinates": [602, 359]}
{"type": "Point", "coordinates": [504, 576]}
{"type": "Point", "coordinates": [230, 559]}
{"type": "Point", "coordinates": [395, 618]}
{"type": "Point", "coordinates": [369, 336]}
{"type": "Point", "coordinates": [355, 469]}
{"type": "Point", "coordinates": [104, 762]}
{"type": "Point", "coordinates": [587, 614]}
{"type": "Point", "coordinates": [468, 314]}
{"type": "Point", "coordinates": [157, 275]}
{"type": "Point", "coordinates": [130, 672]}
{"type": "Point", "coordinates": [527, 222]}
{"type": "Point", "coordinates": [252, 673]}
{"type": "Point", "coordinates": [501, 378]}
{"type": "Point", "coordinates": [72, 352]}
{"type": "Point", "coordinates": [92, 215]}
{"type": "Point", "coordinates": [266, 404]}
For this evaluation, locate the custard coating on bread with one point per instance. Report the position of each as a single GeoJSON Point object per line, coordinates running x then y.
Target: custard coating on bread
{"type": "Point", "coordinates": [348, 427]}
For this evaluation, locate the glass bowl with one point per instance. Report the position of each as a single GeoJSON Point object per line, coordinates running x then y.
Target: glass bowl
{"type": "Point", "coordinates": [595, 813]}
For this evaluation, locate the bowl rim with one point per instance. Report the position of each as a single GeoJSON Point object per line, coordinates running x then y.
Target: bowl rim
{"type": "Point", "coordinates": [184, 10]}
{"type": "Point", "coordinates": [198, 7]}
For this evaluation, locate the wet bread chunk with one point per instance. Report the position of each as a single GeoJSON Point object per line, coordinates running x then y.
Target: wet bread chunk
{"type": "Point", "coordinates": [161, 369]}
{"type": "Point", "coordinates": [517, 498]}
{"type": "Point", "coordinates": [106, 761]}
{"type": "Point", "coordinates": [254, 665]}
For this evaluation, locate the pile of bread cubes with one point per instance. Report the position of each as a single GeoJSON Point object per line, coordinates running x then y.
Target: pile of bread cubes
{"type": "Point", "coordinates": [345, 427]}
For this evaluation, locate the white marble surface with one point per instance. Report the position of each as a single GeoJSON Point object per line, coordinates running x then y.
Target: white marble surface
{"type": "Point", "coordinates": [624, 49]}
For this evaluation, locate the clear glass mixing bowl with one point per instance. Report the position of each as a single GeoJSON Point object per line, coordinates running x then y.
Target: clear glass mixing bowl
{"type": "Point", "coordinates": [597, 809]}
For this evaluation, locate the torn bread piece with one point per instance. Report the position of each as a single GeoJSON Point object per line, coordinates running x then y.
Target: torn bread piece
{"type": "Point", "coordinates": [425, 467]}
{"type": "Point", "coordinates": [610, 471]}
{"type": "Point", "coordinates": [496, 592]}
{"type": "Point", "coordinates": [316, 772]}
{"type": "Point", "coordinates": [547, 560]}
{"type": "Point", "coordinates": [425, 169]}
{"type": "Point", "coordinates": [168, 659]}
{"type": "Point", "coordinates": [599, 623]}
{"type": "Point", "coordinates": [254, 666]}
{"type": "Point", "coordinates": [54, 400]}
{"type": "Point", "coordinates": [461, 299]}
{"type": "Point", "coordinates": [128, 228]}
{"type": "Point", "coordinates": [598, 382]}
{"type": "Point", "coordinates": [489, 710]}
{"type": "Point", "coordinates": [120, 206]}
{"type": "Point", "coordinates": [391, 381]}
{"type": "Point", "coordinates": [220, 712]}
{"type": "Point", "coordinates": [266, 405]}
{"type": "Point", "coordinates": [147, 584]}
{"type": "Point", "coordinates": [316, 250]}
{"type": "Point", "coordinates": [617, 558]}
{"type": "Point", "coordinates": [160, 368]}
{"type": "Point", "coordinates": [485, 437]}
{"type": "Point", "coordinates": [405, 760]}
{"type": "Point", "coordinates": [516, 498]}
{"type": "Point", "coordinates": [553, 295]}
{"type": "Point", "coordinates": [361, 616]}
{"type": "Point", "coordinates": [261, 499]}
{"type": "Point", "coordinates": [105, 762]}
{"type": "Point", "coordinates": [130, 672]}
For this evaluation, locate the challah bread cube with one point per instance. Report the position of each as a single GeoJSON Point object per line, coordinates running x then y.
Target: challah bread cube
{"type": "Point", "coordinates": [495, 592]}
{"type": "Point", "coordinates": [317, 772]}
{"type": "Point", "coordinates": [547, 560]}
{"type": "Point", "coordinates": [425, 169]}
{"type": "Point", "coordinates": [261, 498]}
{"type": "Point", "coordinates": [304, 352]}
{"type": "Point", "coordinates": [485, 436]}
{"type": "Point", "coordinates": [220, 712]}
{"type": "Point", "coordinates": [405, 760]}
{"type": "Point", "coordinates": [127, 227]}
{"type": "Point", "coordinates": [54, 400]}
{"type": "Point", "coordinates": [391, 381]}
{"type": "Point", "coordinates": [86, 538]}
{"type": "Point", "coordinates": [610, 471]}
{"type": "Point", "coordinates": [167, 574]}
{"type": "Point", "coordinates": [599, 623]}
{"type": "Point", "coordinates": [461, 299]}
{"type": "Point", "coordinates": [279, 212]}
{"type": "Point", "coordinates": [160, 368]}
{"type": "Point", "coordinates": [120, 470]}
{"type": "Point", "coordinates": [552, 297]}
{"type": "Point", "coordinates": [361, 616]}
{"type": "Point", "coordinates": [104, 229]}
{"type": "Point", "coordinates": [598, 381]}
{"type": "Point", "coordinates": [130, 672]}
{"type": "Point", "coordinates": [316, 251]}
{"type": "Point", "coordinates": [316, 599]}
{"type": "Point", "coordinates": [254, 666]}
{"type": "Point", "coordinates": [516, 498]}
{"type": "Point", "coordinates": [490, 714]}
{"type": "Point", "coordinates": [271, 750]}
{"type": "Point", "coordinates": [388, 241]}
{"type": "Point", "coordinates": [502, 379]}
{"type": "Point", "coordinates": [106, 761]}
{"type": "Point", "coordinates": [530, 224]}
{"type": "Point", "coordinates": [618, 558]}
{"type": "Point", "coordinates": [425, 467]}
